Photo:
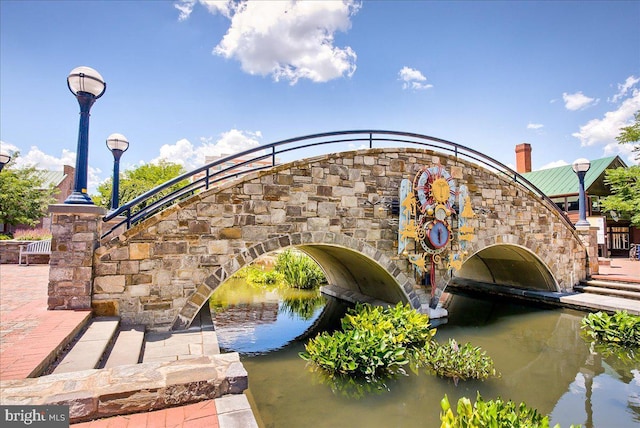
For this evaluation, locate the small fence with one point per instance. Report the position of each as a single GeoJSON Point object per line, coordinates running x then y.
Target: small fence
{"type": "Point", "coordinates": [233, 166]}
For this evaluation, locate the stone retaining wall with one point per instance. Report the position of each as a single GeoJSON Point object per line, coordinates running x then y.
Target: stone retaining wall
{"type": "Point", "coordinates": [10, 253]}
{"type": "Point", "coordinates": [93, 394]}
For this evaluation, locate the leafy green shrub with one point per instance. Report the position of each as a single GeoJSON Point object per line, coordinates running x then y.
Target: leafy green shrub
{"type": "Point", "coordinates": [299, 270]}
{"type": "Point", "coordinates": [268, 277]}
{"type": "Point", "coordinates": [374, 343]}
{"type": "Point", "coordinates": [38, 234]}
{"type": "Point", "coordinates": [493, 413]}
{"type": "Point", "coordinates": [407, 327]}
{"type": "Point", "coordinates": [357, 353]}
{"type": "Point", "coordinates": [459, 362]}
{"type": "Point", "coordinates": [621, 328]}
{"type": "Point", "coordinates": [4, 237]}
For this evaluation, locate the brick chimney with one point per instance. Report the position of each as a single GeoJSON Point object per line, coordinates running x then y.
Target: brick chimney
{"type": "Point", "coordinates": [523, 158]}
{"type": "Point", "coordinates": [66, 186]}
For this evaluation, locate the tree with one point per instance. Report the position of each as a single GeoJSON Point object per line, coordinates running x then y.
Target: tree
{"type": "Point", "coordinates": [625, 182]}
{"type": "Point", "coordinates": [23, 200]}
{"type": "Point", "coordinates": [136, 181]}
{"type": "Point", "coordinates": [631, 135]}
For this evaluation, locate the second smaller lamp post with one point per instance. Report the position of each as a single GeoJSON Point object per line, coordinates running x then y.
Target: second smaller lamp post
{"type": "Point", "coordinates": [118, 144]}
{"type": "Point", "coordinates": [580, 167]}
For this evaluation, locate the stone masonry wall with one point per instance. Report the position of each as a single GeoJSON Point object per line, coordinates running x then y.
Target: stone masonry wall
{"type": "Point", "coordinates": [75, 233]}
{"type": "Point", "coordinates": [161, 271]}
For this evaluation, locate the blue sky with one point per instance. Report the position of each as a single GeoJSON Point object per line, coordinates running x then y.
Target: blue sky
{"type": "Point", "coordinates": [190, 78]}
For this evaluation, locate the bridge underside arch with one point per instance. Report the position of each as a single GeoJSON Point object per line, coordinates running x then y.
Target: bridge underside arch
{"type": "Point", "coordinates": [353, 271]}
{"type": "Point", "coordinates": [508, 265]}
{"type": "Point", "coordinates": [348, 263]}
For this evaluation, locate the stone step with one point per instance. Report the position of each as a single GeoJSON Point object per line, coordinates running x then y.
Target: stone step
{"type": "Point", "coordinates": [627, 294]}
{"type": "Point", "coordinates": [127, 348]}
{"type": "Point", "coordinates": [90, 347]}
{"type": "Point", "coordinates": [618, 285]}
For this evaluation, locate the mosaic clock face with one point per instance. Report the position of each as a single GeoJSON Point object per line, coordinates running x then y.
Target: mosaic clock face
{"type": "Point", "coordinates": [438, 234]}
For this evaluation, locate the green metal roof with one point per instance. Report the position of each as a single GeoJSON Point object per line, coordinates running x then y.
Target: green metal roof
{"type": "Point", "coordinates": [563, 181]}
{"type": "Point", "coordinates": [50, 178]}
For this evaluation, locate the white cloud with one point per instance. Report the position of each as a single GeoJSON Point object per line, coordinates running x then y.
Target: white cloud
{"type": "Point", "coordinates": [288, 40]}
{"type": "Point", "coordinates": [624, 88]}
{"type": "Point", "coordinates": [413, 79]}
{"type": "Point", "coordinates": [535, 126]}
{"type": "Point", "coordinates": [41, 160]}
{"type": "Point", "coordinates": [604, 131]}
{"type": "Point", "coordinates": [554, 164]}
{"type": "Point", "coordinates": [577, 101]}
{"type": "Point", "coordinates": [185, 153]}
{"type": "Point", "coordinates": [185, 7]}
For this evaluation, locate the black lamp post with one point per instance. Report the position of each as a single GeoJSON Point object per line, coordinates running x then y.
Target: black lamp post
{"type": "Point", "coordinates": [87, 85]}
{"type": "Point", "coordinates": [4, 159]}
{"type": "Point", "coordinates": [580, 167]}
{"type": "Point", "coordinates": [118, 144]}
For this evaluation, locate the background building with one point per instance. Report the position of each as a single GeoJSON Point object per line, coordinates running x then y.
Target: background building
{"type": "Point", "coordinates": [560, 184]}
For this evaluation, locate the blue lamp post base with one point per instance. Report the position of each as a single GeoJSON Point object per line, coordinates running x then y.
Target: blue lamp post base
{"type": "Point", "coordinates": [78, 198]}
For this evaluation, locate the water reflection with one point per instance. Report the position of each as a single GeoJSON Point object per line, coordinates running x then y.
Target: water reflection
{"type": "Point", "coordinates": [255, 319]}
{"type": "Point", "coordinates": [541, 354]}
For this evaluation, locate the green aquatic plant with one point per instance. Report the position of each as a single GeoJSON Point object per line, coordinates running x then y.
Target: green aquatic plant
{"type": "Point", "coordinates": [491, 414]}
{"type": "Point", "coordinates": [375, 342]}
{"type": "Point", "coordinates": [621, 328]}
{"type": "Point", "coordinates": [299, 270]}
{"type": "Point", "coordinates": [459, 362]}
{"type": "Point", "coordinates": [378, 342]}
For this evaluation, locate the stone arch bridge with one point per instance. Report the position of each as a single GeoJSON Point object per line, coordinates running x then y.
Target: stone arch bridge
{"type": "Point", "coordinates": [338, 208]}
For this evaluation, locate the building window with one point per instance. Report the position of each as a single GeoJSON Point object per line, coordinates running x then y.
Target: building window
{"type": "Point", "coordinates": [619, 237]}
{"type": "Point", "coordinates": [572, 203]}
{"type": "Point", "coordinates": [560, 202]}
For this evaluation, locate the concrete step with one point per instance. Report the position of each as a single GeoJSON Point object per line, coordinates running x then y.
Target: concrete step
{"type": "Point", "coordinates": [127, 348]}
{"type": "Point", "coordinates": [618, 285]}
{"type": "Point", "coordinates": [90, 347]}
{"type": "Point", "coordinates": [608, 291]}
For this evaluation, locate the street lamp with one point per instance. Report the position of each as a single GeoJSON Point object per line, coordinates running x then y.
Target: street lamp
{"type": "Point", "coordinates": [118, 144]}
{"type": "Point", "coordinates": [87, 85]}
{"type": "Point", "coordinates": [580, 167]}
{"type": "Point", "coordinates": [4, 159]}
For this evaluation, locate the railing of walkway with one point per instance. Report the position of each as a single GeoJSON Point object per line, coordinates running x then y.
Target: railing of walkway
{"type": "Point", "coordinates": [187, 184]}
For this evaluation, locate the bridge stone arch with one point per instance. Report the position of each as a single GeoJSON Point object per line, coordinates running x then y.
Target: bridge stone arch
{"type": "Point", "coordinates": [335, 208]}
{"type": "Point", "coordinates": [348, 263]}
{"type": "Point", "coordinates": [508, 264]}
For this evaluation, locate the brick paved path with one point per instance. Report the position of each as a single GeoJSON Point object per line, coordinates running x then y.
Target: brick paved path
{"type": "Point", "coordinates": [30, 335]}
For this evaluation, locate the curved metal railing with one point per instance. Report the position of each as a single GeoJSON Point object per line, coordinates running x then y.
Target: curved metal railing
{"type": "Point", "coordinates": [154, 201]}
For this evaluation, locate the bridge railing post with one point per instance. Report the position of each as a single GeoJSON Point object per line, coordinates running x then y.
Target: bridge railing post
{"type": "Point", "coordinates": [589, 237]}
{"type": "Point", "coordinates": [75, 231]}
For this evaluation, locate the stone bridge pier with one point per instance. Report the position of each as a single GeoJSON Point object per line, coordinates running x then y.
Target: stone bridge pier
{"type": "Point", "coordinates": [334, 207]}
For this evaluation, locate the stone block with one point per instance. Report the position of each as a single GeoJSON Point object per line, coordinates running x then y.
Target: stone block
{"type": "Point", "coordinates": [109, 284]}
{"type": "Point", "coordinates": [171, 247]}
{"type": "Point", "coordinates": [252, 189]}
{"type": "Point", "coordinates": [128, 267]}
{"type": "Point", "coordinates": [349, 201]}
{"type": "Point", "coordinates": [231, 233]}
{"type": "Point", "coordinates": [105, 308]}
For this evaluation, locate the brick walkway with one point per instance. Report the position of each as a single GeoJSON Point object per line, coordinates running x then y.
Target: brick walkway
{"type": "Point", "coordinates": [620, 270]}
{"type": "Point", "coordinates": [30, 335]}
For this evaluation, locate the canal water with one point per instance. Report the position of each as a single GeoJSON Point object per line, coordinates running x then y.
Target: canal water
{"type": "Point", "coordinates": [540, 353]}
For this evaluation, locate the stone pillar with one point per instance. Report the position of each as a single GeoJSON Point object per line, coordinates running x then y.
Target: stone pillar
{"type": "Point", "coordinates": [589, 237]}
{"type": "Point", "coordinates": [75, 233]}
